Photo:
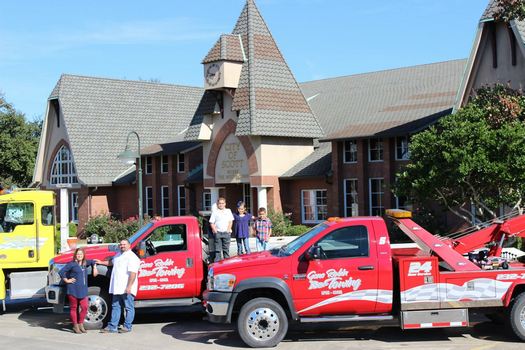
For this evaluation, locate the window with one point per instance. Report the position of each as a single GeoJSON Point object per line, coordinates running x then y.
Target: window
{"type": "Point", "coordinates": [63, 169]}
{"type": "Point", "coordinates": [180, 163]}
{"type": "Point", "coordinates": [149, 201]}
{"type": "Point", "coordinates": [164, 164]}
{"type": "Point", "coordinates": [376, 196]}
{"type": "Point", "coordinates": [375, 150]}
{"type": "Point", "coordinates": [314, 205]}
{"type": "Point", "coordinates": [347, 242]}
{"type": "Point", "coordinates": [168, 238]}
{"type": "Point", "coordinates": [350, 151]}
{"type": "Point", "coordinates": [402, 152]}
{"type": "Point", "coordinates": [165, 200]}
{"type": "Point", "coordinates": [403, 203]}
{"type": "Point", "coordinates": [247, 197]}
{"type": "Point", "coordinates": [14, 214]}
{"type": "Point", "coordinates": [206, 201]}
{"type": "Point", "coordinates": [351, 204]}
{"type": "Point", "coordinates": [182, 199]}
{"type": "Point", "coordinates": [48, 216]}
{"type": "Point", "coordinates": [74, 207]}
{"type": "Point", "coordinates": [148, 165]}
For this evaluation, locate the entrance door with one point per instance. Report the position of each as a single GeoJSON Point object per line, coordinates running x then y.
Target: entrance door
{"type": "Point", "coordinates": [18, 232]}
{"type": "Point", "coordinates": [167, 270]}
{"type": "Point", "coordinates": [343, 280]}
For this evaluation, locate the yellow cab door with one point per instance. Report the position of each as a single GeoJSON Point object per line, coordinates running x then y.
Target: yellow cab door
{"type": "Point", "coordinates": [18, 232]}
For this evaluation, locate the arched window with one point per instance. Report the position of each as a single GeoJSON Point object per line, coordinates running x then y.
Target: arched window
{"type": "Point", "coordinates": [63, 170]}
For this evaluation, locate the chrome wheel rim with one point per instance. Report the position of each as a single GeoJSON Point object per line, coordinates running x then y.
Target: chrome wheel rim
{"type": "Point", "coordinates": [522, 317]}
{"type": "Point", "coordinates": [262, 324]}
{"type": "Point", "coordinates": [97, 309]}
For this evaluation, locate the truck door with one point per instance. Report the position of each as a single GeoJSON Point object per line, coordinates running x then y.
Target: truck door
{"type": "Point", "coordinates": [167, 270]}
{"type": "Point", "coordinates": [343, 278]}
{"type": "Point", "coordinates": [18, 232]}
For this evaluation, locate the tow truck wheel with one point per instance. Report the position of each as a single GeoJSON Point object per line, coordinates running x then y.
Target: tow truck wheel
{"type": "Point", "coordinates": [517, 316]}
{"type": "Point", "coordinates": [98, 308]}
{"type": "Point", "coordinates": [262, 323]}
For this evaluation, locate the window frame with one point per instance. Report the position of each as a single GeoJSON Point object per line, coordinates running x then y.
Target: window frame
{"type": "Point", "coordinates": [345, 194]}
{"type": "Point", "coordinates": [164, 166]}
{"type": "Point", "coordinates": [165, 197]}
{"type": "Point", "coordinates": [148, 198]}
{"type": "Point", "coordinates": [148, 165]}
{"type": "Point", "coordinates": [367, 255]}
{"type": "Point", "coordinates": [379, 149]}
{"type": "Point", "coordinates": [181, 162]}
{"type": "Point", "coordinates": [74, 207]}
{"type": "Point", "coordinates": [370, 196]}
{"type": "Point", "coordinates": [403, 147]}
{"type": "Point", "coordinates": [181, 199]}
{"type": "Point", "coordinates": [63, 159]}
{"type": "Point", "coordinates": [204, 195]}
{"type": "Point", "coordinates": [352, 154]}
{"type": "Point", "coordinates": [315, 206]}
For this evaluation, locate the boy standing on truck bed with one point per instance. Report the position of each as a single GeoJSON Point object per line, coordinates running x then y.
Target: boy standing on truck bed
{"type": "Point", "coordinates": [221, 222]}
{"type": "Point", "coordinates": [263, 230]}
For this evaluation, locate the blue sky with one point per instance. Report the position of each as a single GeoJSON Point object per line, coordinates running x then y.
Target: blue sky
{"type": "Point", "coordinates": [166, 40]}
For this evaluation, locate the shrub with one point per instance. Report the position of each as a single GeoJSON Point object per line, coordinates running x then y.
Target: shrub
{"type": "Point", "coordinates": [282, 225]}
{"type": "Point", "coordinates": [296, 230]}
{"type": "Point", "coordinates": [110, 229]}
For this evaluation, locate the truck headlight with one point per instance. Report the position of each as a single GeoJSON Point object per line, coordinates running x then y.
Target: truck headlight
{"type": "Point", "coordinates": [223, 282]}
{"type": "Point", "coordinates": [54, 277]}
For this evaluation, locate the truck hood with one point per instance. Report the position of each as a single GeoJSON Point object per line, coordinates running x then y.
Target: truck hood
{"type": "Point", "coordinates": [95, 251]}
{"type": "Point", "coordinates": [245, 261]}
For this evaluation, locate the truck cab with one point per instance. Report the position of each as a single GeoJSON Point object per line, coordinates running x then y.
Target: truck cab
{"type": "Point", "coordinates": [172, 269]}
{"type": "Point", "coordinates": [27, 242]}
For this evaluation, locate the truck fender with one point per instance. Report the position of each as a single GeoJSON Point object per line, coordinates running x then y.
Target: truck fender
{"type": "Point", "coordinates": [264, 283]}
{"type": "Point", "coordinates": [508, 297]}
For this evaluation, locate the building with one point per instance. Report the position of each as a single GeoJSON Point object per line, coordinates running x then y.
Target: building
{"type": "Point", "coordinates": [315, 149]}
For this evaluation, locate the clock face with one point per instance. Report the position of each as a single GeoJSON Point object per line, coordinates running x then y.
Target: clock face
{"type": "Point", "coordinates": [213, 74]}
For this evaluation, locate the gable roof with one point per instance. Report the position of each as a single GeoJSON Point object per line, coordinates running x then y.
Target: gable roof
{"type": "Point", "coordinates": [318, 163]}
{"type": "Point", "coordinates": [268, 98]}
{"type": "Point", "coordinates": [99, 113]}
{"type": "Point", "coordinates": [370, 104]}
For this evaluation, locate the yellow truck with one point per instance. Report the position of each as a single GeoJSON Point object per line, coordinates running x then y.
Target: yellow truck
{"type": "Point", "coordinates": [27, 242]}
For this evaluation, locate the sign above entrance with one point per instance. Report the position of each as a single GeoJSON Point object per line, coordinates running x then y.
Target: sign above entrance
{"type": "Point", "coordinates": [232, 163]}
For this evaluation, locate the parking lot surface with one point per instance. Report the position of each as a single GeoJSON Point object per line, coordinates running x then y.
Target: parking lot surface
{"type": "Point", "coordinates": [35, 327]}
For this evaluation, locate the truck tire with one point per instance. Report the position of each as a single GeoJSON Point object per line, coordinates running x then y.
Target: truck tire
{"type": "Point", "coordinates": [98, 308]}
{"type": "Point", "coordinates": [517, 316]}
{"type": "Point", "coordinates": [262, 323]}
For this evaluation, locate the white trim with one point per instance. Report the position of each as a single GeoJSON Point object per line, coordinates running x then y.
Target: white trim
{"type": "Point", "coordinates": [345, 194]}
{"type": "Point", "coordinates": [146, 206]}
{"type": "Point", "coordinates": [344, 152]}
{"type": "Point", "coordinates": [74, 205]}
{"type": "Point", "coordinates": [146, 165]}
{"type": "Point", "coordinates": [370, 194]}
{"type": "Point", "coordinates": [204, 193]}
{"type": "Point", "coordinates": [162, 164]}
{"type": "Point", "coordinates": [314, 205]}
{"type": "Point", "coordinates": [162, 200]}
{"type": "Point", "coordinates": [178, 163]}
{"type": "Point", "coordinates": [407, 148]}
{"type": "Point", "coordinates": [382, 149]}
{"type": "Point", "coordinates": [179, 199]}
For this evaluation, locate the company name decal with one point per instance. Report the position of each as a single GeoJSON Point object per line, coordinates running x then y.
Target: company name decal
{"type": "Point", "coordinates": [332, 279]}
{"type": "Point", "coordinates": [161, 268]}
{"type": "Point", "coordinates": [374, 295]}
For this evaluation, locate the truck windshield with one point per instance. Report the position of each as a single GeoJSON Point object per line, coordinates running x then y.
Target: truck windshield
{"type": "Point", "coordinates": [140, 232]}
{"type": "Point", "coordinates": [297, 243]}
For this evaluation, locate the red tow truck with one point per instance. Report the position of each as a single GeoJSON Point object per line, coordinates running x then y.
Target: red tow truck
{"type": "Point", "coordinates": [172, 271]}
{"type": "Point", "coordinates": [346, 270]}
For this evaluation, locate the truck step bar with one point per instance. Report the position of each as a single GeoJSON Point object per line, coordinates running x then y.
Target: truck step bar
{"type": "Point", "coordinates": [166, 302]}
{"type": "Point", "coordinates": [345, 318]}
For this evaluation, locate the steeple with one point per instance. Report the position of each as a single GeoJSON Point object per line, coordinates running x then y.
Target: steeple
{"type": "Point", "coordinates": [268, 99]}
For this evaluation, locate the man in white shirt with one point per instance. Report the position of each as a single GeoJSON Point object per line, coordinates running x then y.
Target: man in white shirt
{"type": "Point", "coordinates": [221, 222]}
{"type": "Point", "coordinates": [123, 287]}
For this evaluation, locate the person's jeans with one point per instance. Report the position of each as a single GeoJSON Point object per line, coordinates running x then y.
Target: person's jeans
{"type": "Point", "coordinates": [211, 246]}
{"type": "Point", "coordinates": [119, 301]}
{"type": "Point", "coordinates": [261, 244]}
{"type": "Point", "coordinates": [222, 243]}
{"type": "Point", "coordinates": [243, 242]}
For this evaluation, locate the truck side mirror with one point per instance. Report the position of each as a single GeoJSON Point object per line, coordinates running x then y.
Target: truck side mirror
{"type": "Point", "coordinates": [141, 252]}
{"type": "Point", "coordinates": [313, 253]}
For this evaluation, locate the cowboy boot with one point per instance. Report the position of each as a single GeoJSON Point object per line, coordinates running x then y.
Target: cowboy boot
{"type": "Point", "coordinates": [81, 327]}
{"type": "Point", "coordinates": [76, 329]}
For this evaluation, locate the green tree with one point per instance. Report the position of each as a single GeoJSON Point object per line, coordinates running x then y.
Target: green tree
{"type": "Point", "coordinates": [18, 145]}
{"type": "Point", "coordinates": [474, 156]}
{"type": "Point", "coordinates": [510, 9]}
